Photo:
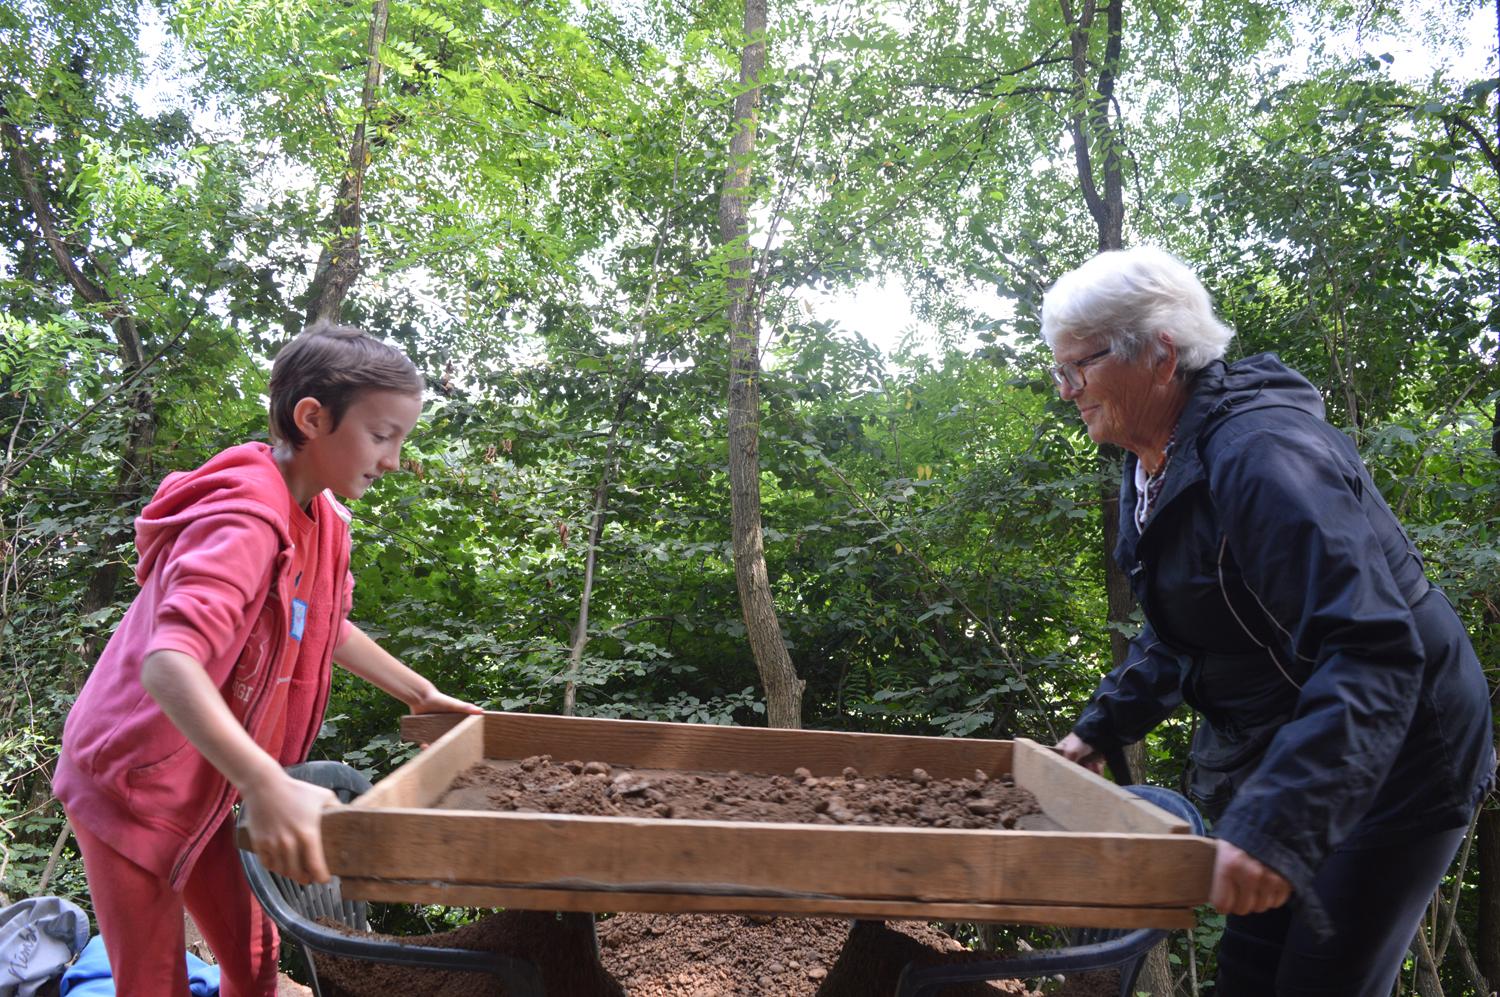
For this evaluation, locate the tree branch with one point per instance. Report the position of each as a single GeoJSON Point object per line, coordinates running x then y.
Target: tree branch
{"type": "Point", "coordinates": [36, 199]}
{"type": "Point", "coordinates": [339, 263]}
{"type": "Point", "coordinates": [1078, 38]}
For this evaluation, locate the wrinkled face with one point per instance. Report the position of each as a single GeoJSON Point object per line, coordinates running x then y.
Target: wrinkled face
{"type": "Point", "coordinates": [366, 444]}
{"type": "Point", "coordinates": [1116, 401]}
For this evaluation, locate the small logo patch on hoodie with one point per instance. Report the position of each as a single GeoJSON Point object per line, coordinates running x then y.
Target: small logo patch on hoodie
{"type": "Point", "coordinates": [299, 618]}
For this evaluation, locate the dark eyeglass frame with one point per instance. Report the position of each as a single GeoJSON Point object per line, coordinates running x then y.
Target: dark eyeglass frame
{"type": "Point", "coordinates": [1071, 375]}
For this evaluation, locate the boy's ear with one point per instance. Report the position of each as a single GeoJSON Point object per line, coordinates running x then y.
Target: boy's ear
{"type": "Point", "coordinates": [310, 417]}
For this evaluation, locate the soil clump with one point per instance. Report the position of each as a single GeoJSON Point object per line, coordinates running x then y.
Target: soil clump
{"type": "Point", "coordinates": [541, 785]}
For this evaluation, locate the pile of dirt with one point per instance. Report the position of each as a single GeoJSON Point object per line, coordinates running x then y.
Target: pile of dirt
{"type": "Point", "coordinates": [685, 955]}
{"type": "Point", "coordinates": [541, 785]}
{"type": "Point", "coordinates": [561, 945]}
{"type": "Point", "coordinates": [726, 955]}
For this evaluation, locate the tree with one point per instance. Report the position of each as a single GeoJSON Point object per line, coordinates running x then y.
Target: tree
{"type": "Point", "coordinates": [778, 676]}
{"type": "Point", "coordinates": [537, 215]}
{"type": "Point", "coordinates": [339, 262]}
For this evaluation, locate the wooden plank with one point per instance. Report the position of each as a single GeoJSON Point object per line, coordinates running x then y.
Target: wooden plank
{"type": "Point", "coordinates": [422, 781]}
{"type": "Point", "coordinates": [467, 895]}
{"type": "Point", "coordinates": [1079, 800]}
{"type": "Point", "coordinates": [647, 744]}
{"type": "Point", "coordinates": [792, 861]}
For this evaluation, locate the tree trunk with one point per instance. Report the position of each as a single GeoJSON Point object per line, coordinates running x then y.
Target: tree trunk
{"type": "Point", "coordinates": [778, 676]}
{"type": "Point", "coordinates": [1091, 125]}
{"type": "Point", "coordinates": [611, 469]}
{"type": "Point", "coordinates": [581, 628]}
{"type": "Point", "coordinates": [1428, 984]}
{"type": "Point", "coordinates": [134, 468]}
{"type": "Point", "coordinates": [1120, 600]}
{"type": "Point", "coordinates": [596, 529]}
{"type": "Point", "coordinates": [339, 263]}
{"type": "Point", "coordinates": [1094, 130]}
{"type": "Point", "coordinates": [1487, 935]}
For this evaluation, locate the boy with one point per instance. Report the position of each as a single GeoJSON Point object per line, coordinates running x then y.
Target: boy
{"type": "Point", "coordinates": [218, 674]}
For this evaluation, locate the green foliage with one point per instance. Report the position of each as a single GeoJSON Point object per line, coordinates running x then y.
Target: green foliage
{"type": "Point", "coordinates": [44, 359]}
{"type": "Point", "coordinates": [29, 828]}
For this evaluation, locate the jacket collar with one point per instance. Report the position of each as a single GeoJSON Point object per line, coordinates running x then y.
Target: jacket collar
{"type": "Point", "coordinates": [1258, 382]}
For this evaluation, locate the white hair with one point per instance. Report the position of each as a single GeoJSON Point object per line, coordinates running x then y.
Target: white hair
{"type": "Point", "coordinates": [1128, 297]}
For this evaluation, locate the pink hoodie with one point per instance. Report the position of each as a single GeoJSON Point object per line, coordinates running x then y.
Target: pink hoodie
{"type": "Point", "coordinates": [214, 559]}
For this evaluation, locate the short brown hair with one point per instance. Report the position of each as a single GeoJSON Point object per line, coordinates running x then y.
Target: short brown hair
{"type": "Point", "coordinates": [334, 364]}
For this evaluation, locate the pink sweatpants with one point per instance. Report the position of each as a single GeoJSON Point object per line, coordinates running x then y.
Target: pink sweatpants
{"type": "Point", "coordinates": [140, 919]}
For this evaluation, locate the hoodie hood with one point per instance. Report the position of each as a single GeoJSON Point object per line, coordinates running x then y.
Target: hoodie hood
{"type": "Point", "coordinates": [243, 480]}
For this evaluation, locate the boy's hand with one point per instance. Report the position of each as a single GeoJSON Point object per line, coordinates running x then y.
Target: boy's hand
{"type": "Point", "coordinates": [373, 663]}
{"type": "Point", "coordinates": [283, 819]}
{"type": "Point", "coordinates": [432, 701]}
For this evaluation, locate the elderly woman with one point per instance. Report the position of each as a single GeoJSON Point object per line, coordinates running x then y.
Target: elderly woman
{"type": "Point", "coordinates": [1345, 735]}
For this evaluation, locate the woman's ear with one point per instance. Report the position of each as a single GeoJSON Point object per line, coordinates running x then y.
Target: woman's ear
{"type": "Point", "coordinates": [310, 417]}
{"type": "Point", "coordinates": [1166, 363]}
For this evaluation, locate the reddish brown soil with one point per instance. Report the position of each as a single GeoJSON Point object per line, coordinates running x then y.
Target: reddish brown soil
{"type": "Point", "coordinates": [687, 955]}
{"type": "Point", "coordinates": [561, 946]}
{"type": "Point", "coordinates": [724, 955]}
{"type": "Point", "coordinates": [690, 955]}
{"type": "Point", "coordinates": [539, 784]}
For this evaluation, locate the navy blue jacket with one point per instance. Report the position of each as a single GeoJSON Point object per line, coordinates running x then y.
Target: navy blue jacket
{"type": "Point", "coordinates": [1341, 700]}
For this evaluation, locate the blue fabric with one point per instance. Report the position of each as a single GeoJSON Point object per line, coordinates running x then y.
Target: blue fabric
{"type": "Point", "coordinates": [1172, 802]}
{"type": "Point", "coordinates": [90, 976]}
{"type": "Point", "coordinates": [1374, 898]}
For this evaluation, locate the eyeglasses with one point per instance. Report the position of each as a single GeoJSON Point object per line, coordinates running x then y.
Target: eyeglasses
{"type": "Point", "coordinates": [1071, 375]}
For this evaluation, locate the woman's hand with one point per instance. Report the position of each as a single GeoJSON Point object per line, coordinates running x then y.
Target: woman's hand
{"type": "Point", "coordinates": [283, 817]}
{"type": "Point", "coordinates": [1242, 885]}
{"type": "Point", "coordinates": [1076, 749]}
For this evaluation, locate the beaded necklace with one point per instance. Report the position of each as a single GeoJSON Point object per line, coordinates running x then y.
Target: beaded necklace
{"type": "Point", "coordinates": [1148, 486]}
